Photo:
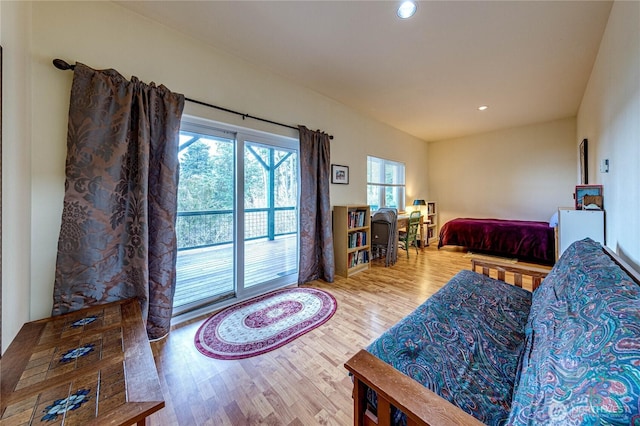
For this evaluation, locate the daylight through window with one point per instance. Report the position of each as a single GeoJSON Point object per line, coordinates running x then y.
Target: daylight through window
{"type": "Point", "coordinates": [385, 183]}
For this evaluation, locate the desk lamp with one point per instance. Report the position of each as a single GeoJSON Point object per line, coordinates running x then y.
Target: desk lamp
{"type": "Point", "coordinates": [419, 204]}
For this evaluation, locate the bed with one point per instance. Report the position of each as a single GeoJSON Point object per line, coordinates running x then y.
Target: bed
{"type": "Point", "coordinates": [526, 240]}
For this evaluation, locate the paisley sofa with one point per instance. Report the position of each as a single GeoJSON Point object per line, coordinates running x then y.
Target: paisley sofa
{"type": "Point", "coordinates": [481, 351]}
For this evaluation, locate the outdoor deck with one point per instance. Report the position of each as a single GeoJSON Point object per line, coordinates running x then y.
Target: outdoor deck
{"type": "Point", "coordinates": [207, 272]}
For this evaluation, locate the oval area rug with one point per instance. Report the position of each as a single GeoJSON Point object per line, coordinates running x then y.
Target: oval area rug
{"type": "Point", "coordinates": [264, 323]}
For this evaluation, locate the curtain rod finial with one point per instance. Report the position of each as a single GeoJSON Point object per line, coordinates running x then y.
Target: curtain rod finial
{"type": "Point", "coordinates": [62, 65]}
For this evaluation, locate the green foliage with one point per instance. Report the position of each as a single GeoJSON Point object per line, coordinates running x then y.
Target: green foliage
{"type": "Point", "coordinates": [256, 177]}
{"type": "Point", "coordinates": [196, 161]}
{"type": "Point", "coordinates": [206, 177]}
{"type": "Point", "coordinates": [286, 187]}
{"type": "Point", "coordinates": [207, 184]}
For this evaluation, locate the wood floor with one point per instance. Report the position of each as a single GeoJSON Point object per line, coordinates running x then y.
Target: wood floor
{"type": "Point", "coordinates": [303, 382]}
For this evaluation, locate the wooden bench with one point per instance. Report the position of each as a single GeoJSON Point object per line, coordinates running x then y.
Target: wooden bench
{"type": "Point", "coordinates": [92, 366]}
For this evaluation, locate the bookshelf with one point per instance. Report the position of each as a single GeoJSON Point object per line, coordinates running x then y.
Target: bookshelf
{"type": "Point", "coordinates": [351, 238]}
{"type": "Point", "coordinates": [431, 222]}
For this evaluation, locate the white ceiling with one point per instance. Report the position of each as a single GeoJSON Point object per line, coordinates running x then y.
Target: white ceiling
{"type": "Point", "coordinates": [528, 60]}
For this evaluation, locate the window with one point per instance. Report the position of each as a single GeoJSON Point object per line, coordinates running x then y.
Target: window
{"type": "Point", "coordinates": [385, 183]}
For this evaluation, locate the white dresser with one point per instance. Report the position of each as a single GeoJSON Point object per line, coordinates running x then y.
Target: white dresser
{"type": "Point", "coordinates": [574, 225]}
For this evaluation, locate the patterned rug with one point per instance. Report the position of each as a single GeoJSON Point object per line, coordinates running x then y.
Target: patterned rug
{"type": "Point", "coordinates": [264, 323]}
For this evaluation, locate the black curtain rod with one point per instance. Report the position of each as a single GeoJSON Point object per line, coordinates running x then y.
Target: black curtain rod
{"type": "Point", "coordinates": [64, 66]}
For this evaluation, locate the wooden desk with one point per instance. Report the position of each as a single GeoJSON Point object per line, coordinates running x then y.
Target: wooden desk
{"type": "Point", "coordinates": [92, 366]}
{"type": "Point", "coordinates": [403, 222]}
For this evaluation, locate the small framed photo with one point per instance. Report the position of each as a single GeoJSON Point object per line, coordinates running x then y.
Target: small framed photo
{"type": "Point", "coordinates": [593, 193]}
{"type": "Point", "coordinates": [339, 174]}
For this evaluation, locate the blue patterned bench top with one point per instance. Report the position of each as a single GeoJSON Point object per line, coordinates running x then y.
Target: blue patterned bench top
{"type": "Point", "coordinates": [567, 355]}
{"type": "Point", "coordinates": [463, 343]}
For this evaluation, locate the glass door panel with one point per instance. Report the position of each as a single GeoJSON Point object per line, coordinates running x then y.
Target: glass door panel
{"type": "Point", "coordinates": [206, 220]}
{"type": "Point", "coordinates": [270, 215]}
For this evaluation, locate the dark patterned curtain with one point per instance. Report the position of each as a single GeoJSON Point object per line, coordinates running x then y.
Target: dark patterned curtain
{"type": "Point", "coordinates": [316, 239]}
{"type": "Point", "coordinates": [117, 238]}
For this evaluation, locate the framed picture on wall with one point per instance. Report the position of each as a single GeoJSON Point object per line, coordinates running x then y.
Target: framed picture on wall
{"type": "Point", "coordinates": [339, 174]}
{"type": "Point", "coordinates": [589, 191]}
{"type": "Point", "coordinates": [584, 162]}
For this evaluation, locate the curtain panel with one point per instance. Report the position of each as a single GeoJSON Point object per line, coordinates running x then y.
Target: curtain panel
{"type": "Point", "coordinates": [117, 238]}
{"type": "Point", "coordinates": [316, 238]}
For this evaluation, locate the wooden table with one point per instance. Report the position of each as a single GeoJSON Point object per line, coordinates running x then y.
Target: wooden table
{"type": "Point", "coordinates": [92, 366]}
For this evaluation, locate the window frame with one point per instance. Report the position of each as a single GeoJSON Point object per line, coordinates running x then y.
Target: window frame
{"type": "Point", "coordinates": [398, 186]}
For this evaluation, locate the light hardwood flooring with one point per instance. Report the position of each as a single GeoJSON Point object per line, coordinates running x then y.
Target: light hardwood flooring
{"type": "Point", "coordinates": [303, 382]}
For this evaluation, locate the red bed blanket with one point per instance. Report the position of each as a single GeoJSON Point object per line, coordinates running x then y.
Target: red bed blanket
{"type": "Point", "coordinates": [526, 240]}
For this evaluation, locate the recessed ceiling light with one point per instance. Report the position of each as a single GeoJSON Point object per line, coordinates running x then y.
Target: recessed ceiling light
{"type": "Point", "coordinates": [482, 107]}
{"type": "Point", "coordinates": [407, 9]}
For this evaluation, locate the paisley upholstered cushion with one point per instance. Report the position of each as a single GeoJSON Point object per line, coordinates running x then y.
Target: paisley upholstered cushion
{"type": "Point", "coordinates": [463, 343]}
{"type": "Point", "coordinates": [581, 363]}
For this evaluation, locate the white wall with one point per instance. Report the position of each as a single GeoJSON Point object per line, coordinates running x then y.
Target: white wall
{"type": "Point", "coordinates": [105, 35]}
{"type": "Point", "coordinates": [609, 117]}
{"type": "Point", "coordinates": [15, 24]}
{"type": "Point", "coordinates": [515, 173]}
{"type": "Point", "coordinates": [521, 173]}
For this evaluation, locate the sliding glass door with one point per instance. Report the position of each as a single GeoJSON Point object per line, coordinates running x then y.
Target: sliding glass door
{"type": "Point", "coordinates": [270, 213]}
{"type": "Point", "coordinates": [237, 220]}
{"type": "Point", "coordinates": [206, 218]}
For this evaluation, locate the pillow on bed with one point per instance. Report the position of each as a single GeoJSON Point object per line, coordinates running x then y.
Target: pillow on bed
{"type": "Point", "coordinates": [553, 222]}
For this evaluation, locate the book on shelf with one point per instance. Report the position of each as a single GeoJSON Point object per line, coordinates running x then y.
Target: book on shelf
{"type": "Point", "coordinates": [357, 239]}
{"type": "Point", "coordinates": [357, 218]}
{"type": "Point", "coordinates": [358, 257]}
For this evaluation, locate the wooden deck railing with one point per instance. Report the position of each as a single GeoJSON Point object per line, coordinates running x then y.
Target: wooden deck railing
{"type": "Point", "coordinates": [208, 228]}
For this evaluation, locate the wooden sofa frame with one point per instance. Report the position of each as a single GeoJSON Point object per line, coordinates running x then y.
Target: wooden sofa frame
{"type": "Point", "coordinates": [536, 274]}
{"type": "Point", "coordinates": [419, 404]}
